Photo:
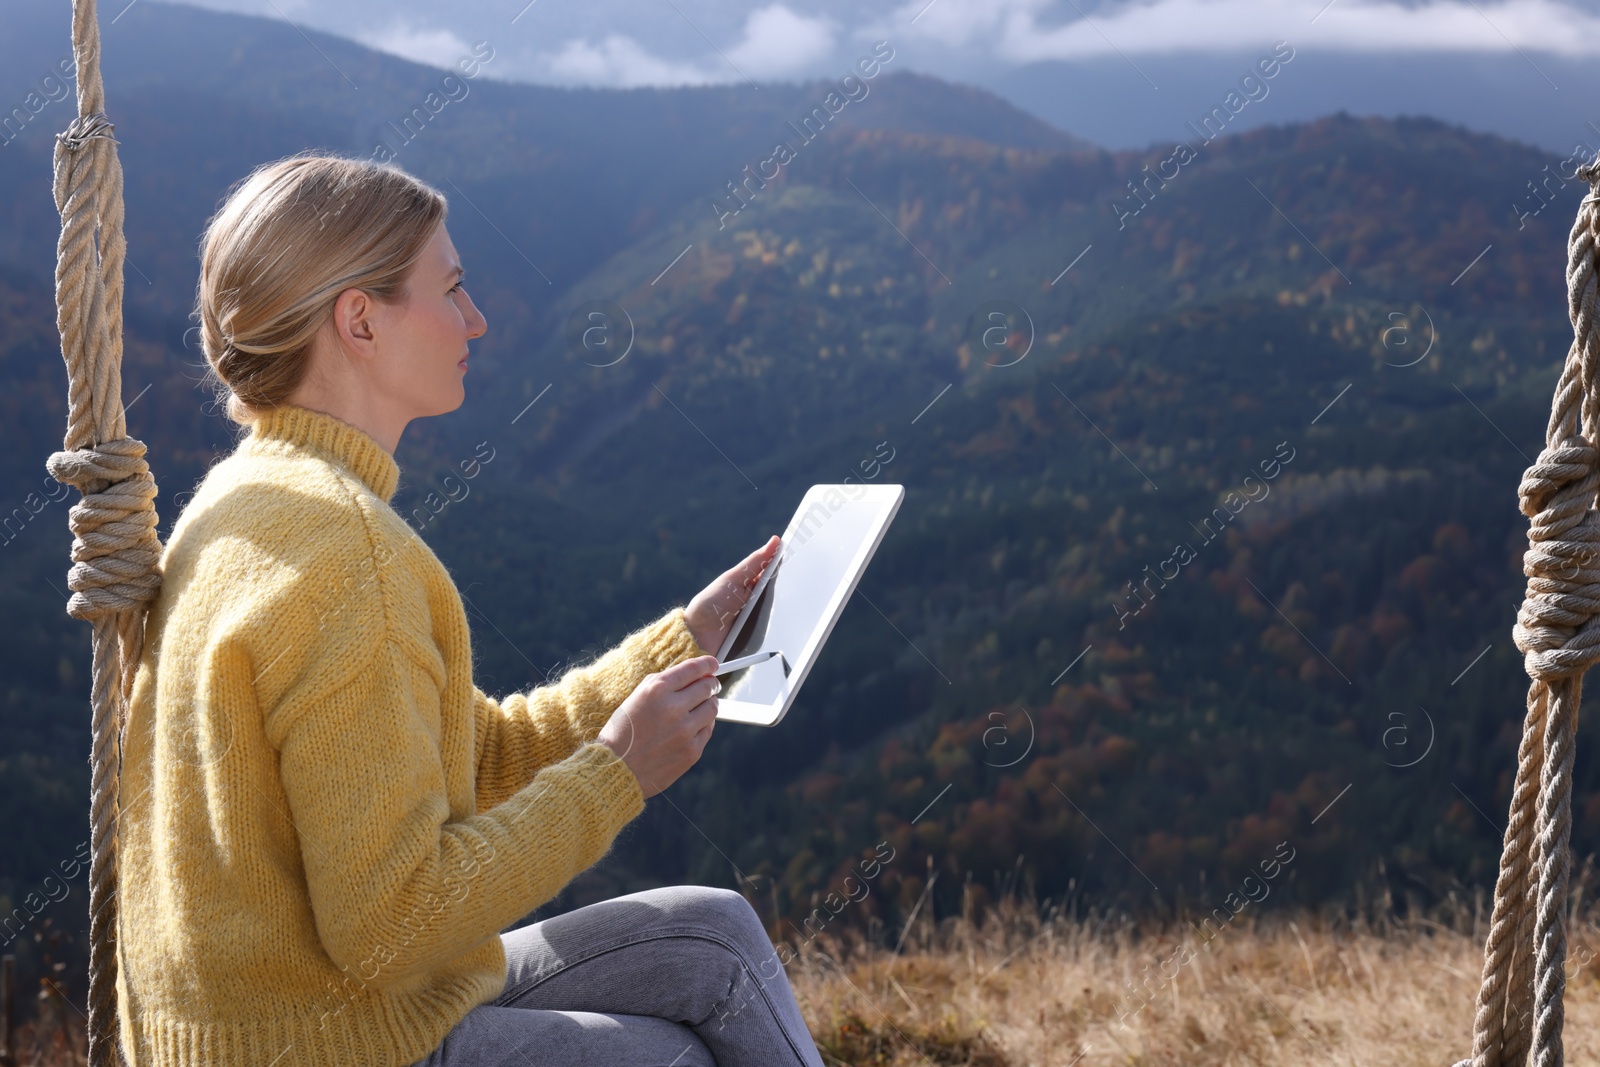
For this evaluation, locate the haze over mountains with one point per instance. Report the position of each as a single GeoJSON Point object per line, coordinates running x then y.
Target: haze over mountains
{"type": "Point", "coordinates": [1121, 73]}
{"type": "Point", "coordinates": [1316, 356]}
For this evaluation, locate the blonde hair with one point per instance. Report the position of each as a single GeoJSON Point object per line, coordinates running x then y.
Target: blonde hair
{"type": "Point", "coordinates": [289, 238]}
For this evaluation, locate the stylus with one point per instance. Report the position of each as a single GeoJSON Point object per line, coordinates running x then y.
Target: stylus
{"type": "Point", "coordinates": [748, 661]}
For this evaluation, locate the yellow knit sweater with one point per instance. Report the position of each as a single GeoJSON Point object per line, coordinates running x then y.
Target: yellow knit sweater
{"type": "Point", "coordinates": [325, 824]}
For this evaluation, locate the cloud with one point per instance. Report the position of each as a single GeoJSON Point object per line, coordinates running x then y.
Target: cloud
{"type": "Point", "coordinates": [957, 23]}
{"type": "Point", "coordinates": [777, 42]}
{"type": "Point", "coordinates": [620, 62]}
{"type": "Point", "coordinates": [1030, 31]}
{"type": "Point", "coordinates": [774, 43]}
{"type": "Point", "coordinates": [437, 48]}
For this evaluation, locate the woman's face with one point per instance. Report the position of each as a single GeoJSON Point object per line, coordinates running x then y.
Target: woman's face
{"type": "Point", "coordinates": [426, 358]}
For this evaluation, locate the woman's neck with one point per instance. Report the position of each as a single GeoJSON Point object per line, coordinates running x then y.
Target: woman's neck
{"type": "Point", "coordinates": [356, 403]}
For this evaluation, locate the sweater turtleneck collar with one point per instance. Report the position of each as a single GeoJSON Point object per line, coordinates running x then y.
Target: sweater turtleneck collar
{"type": "Point", "coordinates": [333, 438]}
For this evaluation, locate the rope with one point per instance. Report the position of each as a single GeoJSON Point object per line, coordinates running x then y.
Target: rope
{"type": "Point", "coordinates": [1520, 1001]}
{"type": "Point", "coordinates": [115, 551]}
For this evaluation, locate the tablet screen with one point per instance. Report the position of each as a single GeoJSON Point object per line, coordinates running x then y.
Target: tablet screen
{"type": "Point", "coordinates": [794, 606]}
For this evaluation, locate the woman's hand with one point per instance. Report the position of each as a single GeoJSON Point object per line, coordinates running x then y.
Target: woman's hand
{"type": "Point", "coordinates": [712, 612]}
{"type": "Point", "coordinates": [663, 726]}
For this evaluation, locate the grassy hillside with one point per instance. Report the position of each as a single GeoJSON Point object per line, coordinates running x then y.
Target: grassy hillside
{"type": "Point", "coordinates": [1014, 991]}
{"type": "Point", "coordinates": [1021, 987]}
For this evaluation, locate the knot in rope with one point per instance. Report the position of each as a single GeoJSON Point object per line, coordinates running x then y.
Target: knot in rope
{"type": "Point", "coordinates": [85, 128]}
{"type": "Point", "coordinates": [1557, 628]}
{"type": "Point", "coordinates": [115, 551]}
{"type": "Point", "coordinates": [1590, 172]}
{"type": "Point", "coordinates": [1567, 465]}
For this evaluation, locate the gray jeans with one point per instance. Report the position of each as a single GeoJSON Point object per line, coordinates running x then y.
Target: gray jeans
{"type": "Point", "coordinates": [682, 976]}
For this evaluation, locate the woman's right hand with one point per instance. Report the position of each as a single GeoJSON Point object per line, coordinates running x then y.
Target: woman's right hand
{"type": "Point", "coordinates": [663, 726]}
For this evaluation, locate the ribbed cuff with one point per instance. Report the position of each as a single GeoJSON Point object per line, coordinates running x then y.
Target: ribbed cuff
{"type": "Point", "coordinates": [615, 786]}
{"type": "Point", "coordinates": [669, 641]}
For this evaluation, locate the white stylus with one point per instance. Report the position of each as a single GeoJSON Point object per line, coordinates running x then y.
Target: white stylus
{"type": "Point", "coordinates": [749, 661]}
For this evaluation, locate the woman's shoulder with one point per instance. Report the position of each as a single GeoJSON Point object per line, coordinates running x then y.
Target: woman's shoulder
{"type": "Point", "coordinates": [295, 563]}
{"type": "Point", "coordinates": [293, 534]}
{"type": "Point", "coordinates": [296, 507]}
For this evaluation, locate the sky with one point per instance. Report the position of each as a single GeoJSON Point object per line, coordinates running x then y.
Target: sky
{"type": "Point", "coordinates": [1118, 72]}
{"type": "Point", "coordinates": [626, 43]}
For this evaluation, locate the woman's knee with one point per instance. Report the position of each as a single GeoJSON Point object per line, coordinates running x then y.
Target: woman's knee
{"type": "Point", "coordinates": [721, 910]}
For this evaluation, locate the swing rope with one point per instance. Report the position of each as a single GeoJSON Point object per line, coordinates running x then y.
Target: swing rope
{"type": "Point", "coordinates": [115, 549]}
{"type": "Point", "coordinates": [1520, 1002]}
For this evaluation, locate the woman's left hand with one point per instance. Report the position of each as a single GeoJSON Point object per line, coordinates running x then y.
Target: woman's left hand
{"type": "Point", "coordinates": [711, 613]}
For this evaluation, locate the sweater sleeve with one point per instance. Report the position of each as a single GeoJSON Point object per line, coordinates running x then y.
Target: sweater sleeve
{"type": "Point", "coordinates": [527, 731]}
{"type": "Point", "coordinates": [396, 887]}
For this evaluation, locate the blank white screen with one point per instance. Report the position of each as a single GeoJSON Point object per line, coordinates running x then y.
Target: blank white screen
{"type": "Point", "coordinates": [816, 558]}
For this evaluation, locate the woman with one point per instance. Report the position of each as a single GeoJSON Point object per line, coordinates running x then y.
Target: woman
{"type": "Point", "coordinates": [325, 824]}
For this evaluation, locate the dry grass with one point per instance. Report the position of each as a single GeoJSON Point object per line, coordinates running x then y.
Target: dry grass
{"type": "Point", "coordinates": [1018, 990]}
{"type": "Point", "coordinates": [1015, 991]}
{"type": "Point", "coordinates": [52, 1037]}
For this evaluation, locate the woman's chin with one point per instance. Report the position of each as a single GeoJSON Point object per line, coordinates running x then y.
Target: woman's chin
{"type": "Point", "coordinates": [449, 398]}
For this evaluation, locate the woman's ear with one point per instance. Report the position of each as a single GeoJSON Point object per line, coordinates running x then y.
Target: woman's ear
{"type": "Point", "coordinates": [352, 315]}
{"type": "Point", "coordinates": [342, 344]}
{"type": "Point", "coordinates": [350, 343]}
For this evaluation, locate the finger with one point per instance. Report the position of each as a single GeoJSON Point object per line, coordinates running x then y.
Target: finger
{"type": "Point", "coordinates": [746, 573]}
{"type": "Point", "coordinates": [702, 736]}
{"type": "Point", "coordinates": [680, 675]}
{"type": "Point", "coordinates": [693, 695]}
{"type": "Point", "coordinates": [701, 716]}
{"type": "Point", "coordinates": [766, 554]}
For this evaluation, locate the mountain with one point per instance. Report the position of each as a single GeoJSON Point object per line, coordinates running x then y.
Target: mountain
{"type": "Point", "coordinates": [1210, 540]}
{"type": "Point", "coordinates": [1136, 82]}
{"type": "Point", "coordinates": [1220, 702]}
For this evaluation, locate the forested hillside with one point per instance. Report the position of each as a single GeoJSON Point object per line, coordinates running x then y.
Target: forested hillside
{"type": "Point", "coordinates": [1210, 541]}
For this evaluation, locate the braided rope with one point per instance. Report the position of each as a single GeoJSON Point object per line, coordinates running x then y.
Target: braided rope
{"type": "Point", "coordinates": [115, 550]}
{"type": "Point", "coordinates": [1502, 966]}
{"type": "Point", "coordinates": [1520, 1000]}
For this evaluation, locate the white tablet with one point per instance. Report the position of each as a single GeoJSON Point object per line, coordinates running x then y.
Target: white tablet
{"type": "Point", "coordinates": [800, 596]}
